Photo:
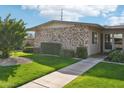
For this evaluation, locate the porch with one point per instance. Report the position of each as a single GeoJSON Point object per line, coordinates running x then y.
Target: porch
{"type": "Point", "coordinates": [113, 38]}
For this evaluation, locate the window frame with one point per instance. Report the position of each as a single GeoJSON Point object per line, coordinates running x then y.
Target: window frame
{"type": "Point", "coordinates": [94, 37]}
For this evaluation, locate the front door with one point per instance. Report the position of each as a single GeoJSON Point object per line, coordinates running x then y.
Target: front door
{"type": "Point", "coordinates": [108, 42]}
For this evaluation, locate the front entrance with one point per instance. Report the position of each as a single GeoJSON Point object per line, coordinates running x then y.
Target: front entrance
{"type": "Point", "coordinates": [108, 41]}
{"type": "Point", "coordinates": [113, 41]}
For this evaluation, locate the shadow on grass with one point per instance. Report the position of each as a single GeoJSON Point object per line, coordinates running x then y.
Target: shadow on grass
{"type": "Point", "coordinates": [7, 71]}
{"type": "Point", "coordinates": [51, 61]}
{"type": "Point", "coordinates": [54, 62]}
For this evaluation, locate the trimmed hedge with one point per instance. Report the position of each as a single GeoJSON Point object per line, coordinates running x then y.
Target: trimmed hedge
{"type": "Point", "coordinates": [51, 48]}
{"type": "Point", "coordinates": [68, 53]}
{"type": "Point", "coordinates": [81, 52]}
{"type": "Point", "coordinates": [28, 49]}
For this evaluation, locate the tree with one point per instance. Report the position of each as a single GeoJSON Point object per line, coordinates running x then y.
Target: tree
{"type": "Point", "coordinates": [12, 34]}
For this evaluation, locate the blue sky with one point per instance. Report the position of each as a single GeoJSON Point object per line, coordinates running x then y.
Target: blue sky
{"type": "Point", "coordinates": [35, 15]}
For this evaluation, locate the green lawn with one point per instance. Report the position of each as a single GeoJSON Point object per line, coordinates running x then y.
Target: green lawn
{"type": "Point", "coordinates": [13, 76]}
{"type": "Point", "coordinates": [103, 75]}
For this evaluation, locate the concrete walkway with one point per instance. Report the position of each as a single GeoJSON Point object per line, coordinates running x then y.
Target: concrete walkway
{"type": "Point", "coordinates": [60, 78]}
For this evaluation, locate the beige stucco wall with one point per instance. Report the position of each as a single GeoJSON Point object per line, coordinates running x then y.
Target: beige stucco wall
{"type": "Point", "coordinates": [94, 48]}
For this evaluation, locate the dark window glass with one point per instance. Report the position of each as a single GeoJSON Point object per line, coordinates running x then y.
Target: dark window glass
{"type": "Point", "coordinates": [94, 37]}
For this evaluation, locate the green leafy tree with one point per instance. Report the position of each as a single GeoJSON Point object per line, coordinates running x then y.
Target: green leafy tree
{"type": "Point", "coordinates": [12, 34]}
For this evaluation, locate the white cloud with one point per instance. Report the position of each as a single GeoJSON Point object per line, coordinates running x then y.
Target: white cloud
{"type": "Point", "coordinates": [116, 20]}
{"type": "Point", "coordinates": [72, 13]}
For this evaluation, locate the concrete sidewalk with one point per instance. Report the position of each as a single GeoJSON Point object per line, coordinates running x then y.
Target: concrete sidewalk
{"type": "Point", "coordinates": [60, 78]}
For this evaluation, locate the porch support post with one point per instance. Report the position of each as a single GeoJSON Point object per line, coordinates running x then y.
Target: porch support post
{"type": "Point", "coordinates": [113, 42]}
{"type": "Point", "coordinates": [123, 41]}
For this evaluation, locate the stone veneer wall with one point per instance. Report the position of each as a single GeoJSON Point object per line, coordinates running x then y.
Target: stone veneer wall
{"type": "Point", "coordinates": [69, 37]}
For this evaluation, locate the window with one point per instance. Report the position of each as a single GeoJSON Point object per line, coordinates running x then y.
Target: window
{"type": "Point", "coordinates": [118, 41]}
{"type": "Point", "coordinates": [94, 37]}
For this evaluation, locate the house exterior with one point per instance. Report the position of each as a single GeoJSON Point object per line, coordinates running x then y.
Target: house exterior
{"type": "Point", "coordinates": [96, 38]}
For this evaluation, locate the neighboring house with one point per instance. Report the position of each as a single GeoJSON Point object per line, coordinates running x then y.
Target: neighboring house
{"type": "Point", "coordinates": [94, 37]}
{"type": "Point", "coordinates": [29, 40]}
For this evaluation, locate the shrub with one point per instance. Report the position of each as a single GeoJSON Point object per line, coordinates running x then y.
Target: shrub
{"type": "Point", "coordinates": [68, 53]}
{"type": "Point", "coordinates": [81, 52]}
{"type": "Point", "coordinates": [116, 56]}
{"type": "Point", "coordinates": [28, 49]}
{"type": "Point", "coordinates": [51, 48]}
